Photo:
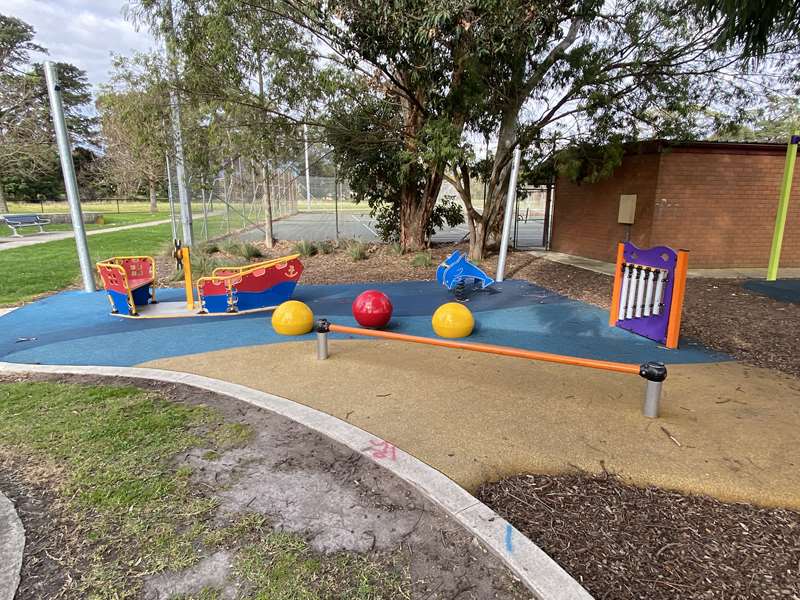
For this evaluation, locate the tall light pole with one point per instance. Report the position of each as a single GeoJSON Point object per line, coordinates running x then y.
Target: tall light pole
{"type": "Point", "coordinates": [68, 170]}
{"type": "Point", "coordinates": [308, 177]}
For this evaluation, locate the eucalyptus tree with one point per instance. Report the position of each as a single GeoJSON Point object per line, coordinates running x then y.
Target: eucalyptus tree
{"type": "Point", "coordinates": [248, 70]}
{"type": "Point", "coordinates": [591, 73]}
{"type": "Point", "coordinates": [27, 145]}
{"type": "Point", "coordinates": [134, 116]}
{"type": "Point", "coordinates": [403, 89]}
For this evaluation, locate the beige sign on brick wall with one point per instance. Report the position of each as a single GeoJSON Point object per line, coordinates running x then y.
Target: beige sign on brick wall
{"type": "Point", "coordinates": [627, 209]}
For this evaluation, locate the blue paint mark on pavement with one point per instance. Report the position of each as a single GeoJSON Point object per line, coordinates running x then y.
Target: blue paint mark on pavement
{"type": "Point", "coordinates": [509, 533]}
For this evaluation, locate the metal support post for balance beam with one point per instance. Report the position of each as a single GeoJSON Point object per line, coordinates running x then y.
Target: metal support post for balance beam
{"type": "Point", "coordinates": [655, 373]}
{"type": "Point", "coordinates": [321, 328]}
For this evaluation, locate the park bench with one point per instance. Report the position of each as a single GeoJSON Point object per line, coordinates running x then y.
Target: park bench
{"type": "Point", "coordinates": [17, 221]}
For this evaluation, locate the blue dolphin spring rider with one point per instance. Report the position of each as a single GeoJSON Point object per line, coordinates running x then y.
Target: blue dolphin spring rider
{"type": "Point", "coordinates": [456, 272]}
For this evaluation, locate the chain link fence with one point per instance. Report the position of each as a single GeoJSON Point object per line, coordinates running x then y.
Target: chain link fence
{"type": "Point", "coordinates": [327, 194]}
{"type": "Point", "coordinates": [237, 199]}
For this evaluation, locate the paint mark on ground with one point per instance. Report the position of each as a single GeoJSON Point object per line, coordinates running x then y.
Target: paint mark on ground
{"type": "Point", "coordinates": [382, 449]}
{"type": "Point", "coordinates": [509, 533]}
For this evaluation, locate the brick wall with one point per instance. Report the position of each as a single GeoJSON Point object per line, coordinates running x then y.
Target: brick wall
{"type": "Point", "coordinates": [719, 203]}
{"type": "Point", "coordinates": [585, 215]}
{"type": "Point", "coordinates": [721, 206]}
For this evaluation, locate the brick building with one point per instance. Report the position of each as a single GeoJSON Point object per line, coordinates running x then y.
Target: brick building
{"type": "Point", "coordinates": [716, 199]}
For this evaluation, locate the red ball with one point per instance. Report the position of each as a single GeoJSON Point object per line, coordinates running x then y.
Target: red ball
{"type": "Point", "coordinates": [372, 309]}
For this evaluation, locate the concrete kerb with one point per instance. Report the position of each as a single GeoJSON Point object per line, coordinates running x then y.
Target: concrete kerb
{"type": "Point", "coordinates": [12, 544]}
{"type": "Point", "coordinates": [541, 574]}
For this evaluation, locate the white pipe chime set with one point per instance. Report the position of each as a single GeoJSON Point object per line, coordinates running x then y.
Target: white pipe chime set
{"type": "Point", "coordinates": [642, 292]}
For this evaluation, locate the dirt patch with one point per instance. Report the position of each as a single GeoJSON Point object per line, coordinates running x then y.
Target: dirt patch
{"type": "Point", "coordinates": [300, 482]}
{"type": "Point", "coordinates": [625, 542]}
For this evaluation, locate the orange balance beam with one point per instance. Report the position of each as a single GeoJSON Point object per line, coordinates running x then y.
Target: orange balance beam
{"type": "Point", "coordinates": [604, 365]}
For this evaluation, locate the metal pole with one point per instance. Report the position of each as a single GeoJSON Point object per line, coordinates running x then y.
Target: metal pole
{"type": "Point", "coordinates": [652, 398]}
{"type": "Point", "coordinates": [322, 345]}
{"type": "Point", "coordinates": [510, 199]}
{"type": "Point", "coordinates": [205, 210]}
{"type": "Point", "coordinates": [336, 199]}
{"type": "Point", "coordinates": [308, 176]}
{"type": "Point", "coordinates": [68, 170]}
{"type": "Point", "coordinates": [241, 191]}
{"type": "Point", "coordinates": [184, 196]}
{"type": "Point", "coordinates": [516, 220]}
{"type": "Point", "coordinates": [171, 200]}
{"type": "Point", "coordinates": [783, 207]}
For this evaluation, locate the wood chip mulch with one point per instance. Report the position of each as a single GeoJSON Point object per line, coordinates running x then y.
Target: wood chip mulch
{"type": "Point", "coordinates": [626, 542]}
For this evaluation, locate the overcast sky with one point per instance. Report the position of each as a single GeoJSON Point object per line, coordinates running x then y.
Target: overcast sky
{"type": "Point", "coordinates": [81, 32]}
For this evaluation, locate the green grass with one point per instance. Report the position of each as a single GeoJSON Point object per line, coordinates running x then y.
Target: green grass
{"type": "Point", "coordinates": [281, 566]}
{"type": "Point", "coordinates": [330, 206]}
{"type": "Point", "coordinates": [110, 453]}
{"type": "Point", "coordinates": [34, 270]}
{"type": "Point", "coordinates": [109, 220]}
{"type": "Point", "coordinates": [103, 206]}
{"type": "Point", "coordinates": [31, 271]}
{"type": "Point", "coordinates": [113, 446]}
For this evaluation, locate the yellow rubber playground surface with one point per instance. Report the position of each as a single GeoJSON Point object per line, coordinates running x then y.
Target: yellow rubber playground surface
{"type": "Point", "coordinates": [726, 430]}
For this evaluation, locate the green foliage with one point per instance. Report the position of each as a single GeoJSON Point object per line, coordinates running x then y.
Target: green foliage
{"type": "Point", "coordinates": [357, 250]}
{"type": "Point", "coordinates": [305, 248]}
{"type": "Point", "coordinates": [251, 251]}
{"type": "Point", "coordinates": [589, 163]}
{"type": "Point", "coordinates": [446, 212]}
{"type": "Point", "coordinates": [209, 248]}
{"type": "Point", "coordinates": [754, 23]}
{"type": "Point", "coordinates": [325, 247]}
{"type": "Point", "coordinates": [244, 250]}
{"type": "Point", "coordinates": [774, 122]}
{"type": "Point", "coordinates": [135, 120]}
{"type": "Point", "coordinates": [422, 259]}
{"type": "Point", "coordinates": [395, 248]}
{"type": "Point", "coordinates": [28, 155]}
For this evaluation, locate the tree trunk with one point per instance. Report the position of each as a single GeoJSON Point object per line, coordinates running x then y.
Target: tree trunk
{"type": "Point", "coordinates": [3, 203]}
{"type": "Point", "coordinates": [477, 238]}
{"type": "Point", "coordinates": [151, 184]}
{"type": "Point", "coordinates": [416, 210]}
{"type": "Point", "coordinates": [266, 197]}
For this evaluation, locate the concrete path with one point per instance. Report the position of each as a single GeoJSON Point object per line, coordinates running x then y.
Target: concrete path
{"type": "Point", "coordinates": [607, 268]}
{"type": "Point", "coordinates": [7, 243]}
{"type": "Point", "coordinates": [12, 543]}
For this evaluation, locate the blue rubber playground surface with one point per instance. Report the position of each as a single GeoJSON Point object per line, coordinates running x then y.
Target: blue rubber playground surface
{"type": "Point", "coordinates": [75, 328]}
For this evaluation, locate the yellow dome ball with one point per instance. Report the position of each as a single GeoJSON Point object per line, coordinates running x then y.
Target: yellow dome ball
{"type": "Point", "coordinates": [292, 318]}
{"type": "Point", "coordinates": [452, 320]}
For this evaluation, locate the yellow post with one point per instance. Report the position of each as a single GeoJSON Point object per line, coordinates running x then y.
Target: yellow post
{"type": "Point", "coordinates": [783, 206]}
{"type": "Point", "coordinates": [187, 277]}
